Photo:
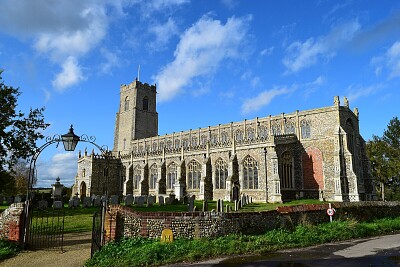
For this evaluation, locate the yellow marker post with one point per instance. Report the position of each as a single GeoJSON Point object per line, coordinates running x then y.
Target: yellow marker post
{"type": "Point", "coordinates": [167, 236]}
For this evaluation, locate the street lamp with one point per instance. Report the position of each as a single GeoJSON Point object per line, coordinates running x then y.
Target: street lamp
{"type": "Point", "coordinates": [70, 140]}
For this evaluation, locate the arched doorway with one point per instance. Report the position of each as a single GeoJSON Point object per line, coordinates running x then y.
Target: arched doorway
{"type": "Point", "coordinates": [83, 190]}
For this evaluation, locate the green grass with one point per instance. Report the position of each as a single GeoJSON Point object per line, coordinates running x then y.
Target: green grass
{"type": "Point", "coordinates": [8, 249]}
{"type": "Point", "coordinates": [145, 252]}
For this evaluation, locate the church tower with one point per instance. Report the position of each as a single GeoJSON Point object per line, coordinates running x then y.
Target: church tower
{"type": "Point", "coordinates": [137, 117]}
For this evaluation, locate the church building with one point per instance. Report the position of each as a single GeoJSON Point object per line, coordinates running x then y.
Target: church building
{"type": "Point", "coordinates": [317, 153]}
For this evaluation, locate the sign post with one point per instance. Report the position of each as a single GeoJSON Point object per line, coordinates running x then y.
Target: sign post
{"type": "Point", "coordinates": [330, 211]}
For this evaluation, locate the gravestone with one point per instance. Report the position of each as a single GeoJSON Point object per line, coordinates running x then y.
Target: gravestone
{"type": "Point", "coordinates": [114, 200]}
{"type": "Point", "coordinates": [240, 204]}
{"type": "Point", "coordinates": [191, 203]}
{"type": "Point", "coordinates": [218, 205]}
{"type": "Point", "coordinates": [221, 205]}
{"type": "Point", "coordinates": [171, 199]}
{"type": "Point", "coordinates": [167, 200]}
{"type": "Point", "coordinates": [87, 202]}
{"type": "Point", "coordinates": [43, 204]}
{"type": "Point", "coordinates": [97, 201]}
{"type": "Point", "coordinates": [71, 203]}
{"type": "Point", "coordinates": [140, 201]}
{"type": "Point", "coordinates": [76, 201]}
{"type": "Point", "coordinates": [161, 200]}
{"type": "Point", "coordinates": [151, 200]}
{"type": "Point", "coordinates": [129, 200]}
{"type": "Point", "coordinates": [227, 207]}
{"type": "Point", "coordinates": [58, 204]}
{"type": "Point", "coordinates": [236, 205]}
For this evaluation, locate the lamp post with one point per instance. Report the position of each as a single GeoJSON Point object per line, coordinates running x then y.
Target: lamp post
{"type": "Point", "coordinates": [70, 141]}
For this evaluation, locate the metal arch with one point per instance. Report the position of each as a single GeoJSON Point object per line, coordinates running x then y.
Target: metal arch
{"type": "Point", "coordinates": [32, 166]}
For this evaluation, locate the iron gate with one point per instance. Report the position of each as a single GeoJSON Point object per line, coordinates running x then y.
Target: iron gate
{"type": "Point", "coordinates": [46, 229]}
{"type": "Point", "coordinates": [97, 232]}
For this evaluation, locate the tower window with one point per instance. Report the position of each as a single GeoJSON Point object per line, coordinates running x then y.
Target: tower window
{"type": "Point", "coordinates": [145, 103]}
{"type": "Point", "coordinates": [126, 106]}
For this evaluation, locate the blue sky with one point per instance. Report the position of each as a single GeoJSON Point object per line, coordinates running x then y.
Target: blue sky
{"type": "Point", "coordinates": [214, 61]}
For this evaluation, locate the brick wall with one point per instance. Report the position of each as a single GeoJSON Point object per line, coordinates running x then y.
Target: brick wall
{"type": "Point", "coordinates": [122, 221]}
{"type": "Point", "coordinates": [11, 221]}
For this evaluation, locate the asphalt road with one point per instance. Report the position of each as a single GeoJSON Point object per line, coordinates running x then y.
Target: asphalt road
{"type": "Point", "coordinates": [376, 251]}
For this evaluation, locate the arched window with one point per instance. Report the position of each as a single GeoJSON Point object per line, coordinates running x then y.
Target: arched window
{"type": "Point", "coordinates": [177, 144]}
{"type": "Point", "coordinates": [153, 176]}
{"type": "Point", "coordinates": [276, 129]}
{"type": "Point", "coordinates": [239, 136]}
{"type": "Point", "coordinates": [262, 132]}
{"type": "Point", "coordinates": [287, 170]}
{"type": "Point", "coordinates": [221, 173]}
{"type": "Point", "coordinates": [194, 141]}
{"type": "Point", "coordinates": [137, 175]}
{"type": "Point", "coordinates": [289, 128]}
{"type": "Point", "coordinates": [251, 134]}
{"type": "Point", "coordinates": [126, 104]}
{"type": "Point", "coordinates": [250, 173]}
{"type": "Point", "coordinates": [224, 137]}
{"type": "Point", "coordinates": [305, 129]}
{"type": "Point", "coordinates": [185, 143]}
{"type": "Point", "coordinates": [214, 139]}
{"type": "Point", "coordinates": [145, 103]}
{"type": "Point", "coordinates": [194, 175]}
{"type": "Point", "coordinates": [203, 140]}
{"type": "Point", "coordinates": [169, 144]}
{"type": "Point", "coordinates": [154, 146]}
{"type": "Point", "coordinates": [171, 175]}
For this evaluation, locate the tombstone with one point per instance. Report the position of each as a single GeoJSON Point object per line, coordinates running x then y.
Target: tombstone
{"type": "Point", "coordinates": [71, 203]}
{"type": "Point", "coordinates": [247, 199]}
{"type": "Point", "coordinates": [167, 201]}
{"type": "Point", "coordinates": [243, 200]}
{"type": "Point", "coordinates": [56, 193]}
{"type": "Point", "coordinates": [221, 205]}
{"type": "Point", "coordinates": [87, 202]}
{"type": "Point", "coordinates": [151, 200]}
{"type": "Point", "coordinates": [161, 200]}
{"type": "Point", "coordinates": [43, 204]}
{"type": "Point", "coordinates": [218, 205]}
{"type": "Point", "coordinates": [167, 235]}
{"type": "Point", "coordinates": [236, 205]}
{"type": "Point", "coordinates": [76, 201]}
{"type": "Point", "coordinates": [171, 198]}
{"type": "Point", "coordinates": [97, 201]}
{"type": "Point", "coordinates": [191, 203]}
{"type": "Point", "coordinates": [129, 200]}
{"type": "Point", "coordinates": [58, 204]}
{"type": "Point", "coordinates": [240, 204]}
{"type": "Point", "coordinates": [251, 199]}
{"type": "Point", "coordinates": [114, 200]}
{"type": "Point", "coordinates": [17, 199]}
{"type": "Point", "coordinates": [140, 201]}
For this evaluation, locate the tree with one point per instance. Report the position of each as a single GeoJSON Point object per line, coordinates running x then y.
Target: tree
{"type": "Point", "coordinates": [18, 132]}
{"type": "Point", "coordinates": [384, 154]}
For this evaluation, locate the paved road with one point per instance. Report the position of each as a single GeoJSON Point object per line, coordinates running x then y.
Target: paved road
{"type": "Point", "coordinates": [377, 251]}
{"type": "Point", "coordinates": [76, 252]}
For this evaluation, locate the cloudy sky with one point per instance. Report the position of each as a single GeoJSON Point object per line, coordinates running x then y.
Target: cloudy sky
{"type": "Point", "coordinates": [214, 61]}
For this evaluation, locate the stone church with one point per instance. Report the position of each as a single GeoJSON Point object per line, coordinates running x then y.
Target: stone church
{"type": "Point", "coordinates": [317, 153]}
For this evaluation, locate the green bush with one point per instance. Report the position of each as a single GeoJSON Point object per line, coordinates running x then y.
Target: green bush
{"type": "Point", "coordinates": [8, 249]}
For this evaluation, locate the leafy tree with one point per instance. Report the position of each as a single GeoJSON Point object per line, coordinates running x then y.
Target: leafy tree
{"type": "Point", "coordinates": [18, 132]}
{"type": "Point", "coordinates": [384, 154]}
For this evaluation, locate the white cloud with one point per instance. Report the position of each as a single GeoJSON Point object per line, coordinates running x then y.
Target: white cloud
{"type": "Point", "coordinates": [162, 4]}
{"type": "Point", "coordinates": [263, 99]}
{"type": "Point", "coordinates": [163, 33]}
{"type": "Point", "coordinates": [267, 51]}
{"type": "Point", "coordinates": [389, 61]}
{"type": "Point", "coordinates": [301, 55]}
{"type": "Point", "coordinates": [71, 74]}
{"type": "Point", "coordinates": [356, 91]}
{"type": "Point", "coordinates": [111, 60]}
{"type": "Point", "coordinates": [200, 51]}
{"type": "Point", "coordinates": [63, 165]}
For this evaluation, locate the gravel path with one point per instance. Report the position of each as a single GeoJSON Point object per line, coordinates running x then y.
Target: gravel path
{"type": "Point", "coordinates": [76, 252]}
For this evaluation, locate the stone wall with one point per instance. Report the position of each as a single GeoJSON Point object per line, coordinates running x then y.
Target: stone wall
{"type": "Point", "coordinates": [11, 222]}
{"type": "Point", "coordinates": [124, 222]}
